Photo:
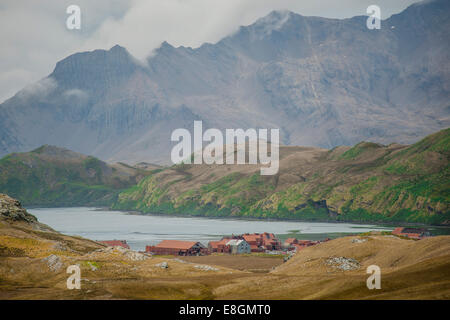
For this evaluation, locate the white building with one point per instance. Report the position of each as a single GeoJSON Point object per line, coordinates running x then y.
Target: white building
{"type": "Point", "coordinates": [239, 246]}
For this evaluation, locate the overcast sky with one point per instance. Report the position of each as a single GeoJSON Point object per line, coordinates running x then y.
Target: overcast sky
{"type": "Point", "coordinates": [33, 34]}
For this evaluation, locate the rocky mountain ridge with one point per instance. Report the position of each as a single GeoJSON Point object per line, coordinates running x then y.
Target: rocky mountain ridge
{"type": "Point", "coordinates": [323, 82]}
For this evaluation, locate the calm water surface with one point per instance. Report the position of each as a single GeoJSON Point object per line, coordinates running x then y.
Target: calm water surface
{"type": "Point", "coordinates": [142, 230]}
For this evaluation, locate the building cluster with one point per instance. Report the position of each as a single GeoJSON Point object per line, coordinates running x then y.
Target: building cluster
{"type": "Point", "coordinates": [246, 243]}
{"type": "Point", "coordinates": [293, 244]}
{"type": "Point", "coordinates": [412, 233]}
{"type": "Point", "coordinates": [235, 244]}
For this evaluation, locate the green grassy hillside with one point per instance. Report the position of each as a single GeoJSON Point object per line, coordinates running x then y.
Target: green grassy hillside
{"type": "Point", "coordinates": [369, 182]}
{"type": "Point", "coordinates": [51, 176]}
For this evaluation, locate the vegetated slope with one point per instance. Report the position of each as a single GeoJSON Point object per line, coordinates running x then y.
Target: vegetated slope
{"type": "Point", "coordinates": [52, 176]}
{"type": "Point", "coordinates": [387, 252]}
{"type": "Point", "coordinates": [409, 270]}
{"type": "Point", "coordinates": [369, 182]}
{"type": "Point", "coordinates": [22, 235]}
{"type": "Point", "coordinates": [34, 258]}
{"type": "Point", "coordinates": [323, 82]}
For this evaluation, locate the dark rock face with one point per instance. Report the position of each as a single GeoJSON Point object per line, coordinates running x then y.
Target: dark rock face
{"type": "Point", "coordinates": [11, 209]}
{"type": "Point", "coordinates": [320, 204]}
{"type": "Point", "coordinates": [323, 82]}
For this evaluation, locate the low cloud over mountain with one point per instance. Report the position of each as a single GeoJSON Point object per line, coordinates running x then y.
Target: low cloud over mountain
{"type": "Point", "coordinates": [323, 82]}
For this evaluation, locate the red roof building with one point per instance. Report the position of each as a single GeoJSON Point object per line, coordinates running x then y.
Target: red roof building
{"type": "Point", "coordinates": [290, 241]}
{"type": "Point", "coordinates": [255, 248]}
{"type": "Point", "coordinates": [219, 246]}
{"type": "Point", "coordinates": [177, 248]}
{"type": "Point", "coordinates": [116, 243]}
{"type": "Point", "coordinates": [259, 242]}
{"type": "Point", "coordinates": [266, 240]}
{"type": "Point", "coordinates": [411, 233]}
{"type": "Point", "coordinates": [295, 244]}
{"type": "Point", "coordinates": [306, 243]}
{"type": "Point", "coordinates": [252, 239]}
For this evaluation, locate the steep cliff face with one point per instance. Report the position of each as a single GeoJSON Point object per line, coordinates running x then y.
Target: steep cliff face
{"type": "Point", "coordinates": [323, 82]}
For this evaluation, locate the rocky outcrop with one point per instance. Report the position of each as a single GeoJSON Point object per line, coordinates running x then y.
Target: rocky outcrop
{"type": "Point", "coordinates": [343, 263]}
{"type": "Point", "coordinates": [205, 268]}
{"type": "Point", "coordinates": [127, 253]}
{"type": "Point", "coordinates": [162, 265]}
{"type": "Point", "coordinates": [11, 209]}
{"type": "Point", "coordinates": [54, 262]}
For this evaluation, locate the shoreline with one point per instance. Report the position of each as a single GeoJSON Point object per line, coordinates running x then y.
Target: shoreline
{"type": "Point", "coordinates": [155, 214]}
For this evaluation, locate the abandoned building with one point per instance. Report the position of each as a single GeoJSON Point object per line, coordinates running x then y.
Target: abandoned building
{"type": "Point", "coordinates": [262, 241]}
{"type": "Point", "coordinates": [412, 233]}
{"type": "Point", "coordinates": [219, 246]}
{"type": "Point", "coordinates": [293, 244]}
{"type": "Point", "coordinates": [238, 246]}
{"type": "Point", "coordinates": [178, 248]}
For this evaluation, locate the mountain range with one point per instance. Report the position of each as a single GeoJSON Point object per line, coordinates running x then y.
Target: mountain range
{"type": "Point", "coordinates": [323, 82]}
{"type": "Point", "coordinates": [368, 182]}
